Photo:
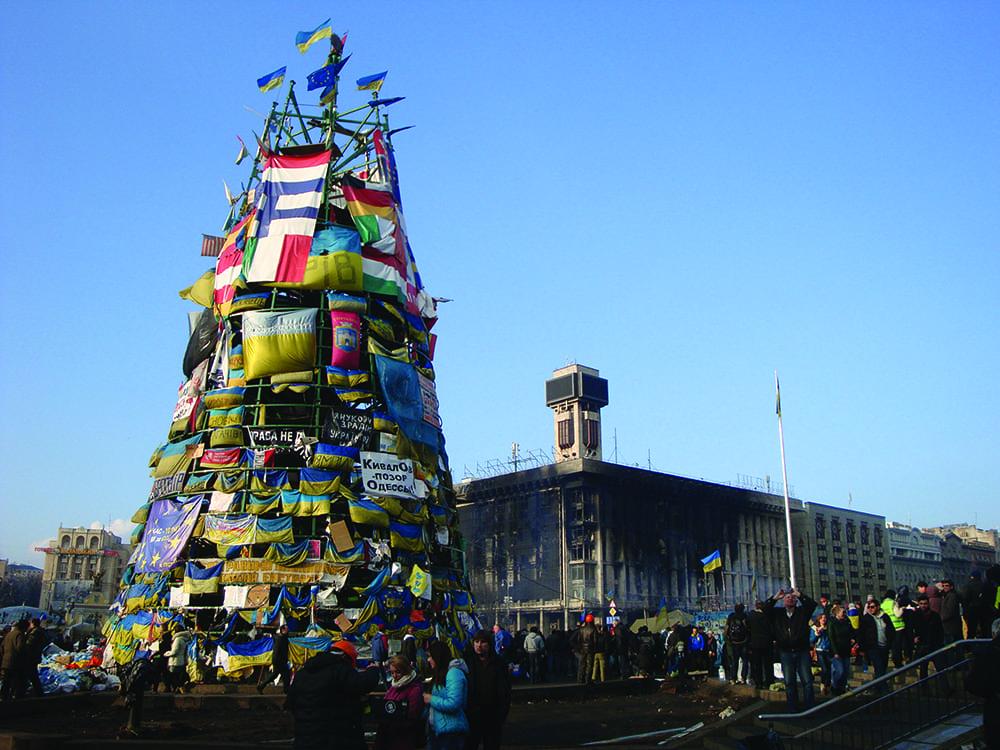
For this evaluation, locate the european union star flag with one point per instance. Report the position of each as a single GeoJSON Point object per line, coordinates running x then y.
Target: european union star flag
{"type": "Point", "coordinates": [326, 75]}
{"type": "Point", "coordinates": [711, 562]}
{"type": "Point", "coordinates": [271, 80]}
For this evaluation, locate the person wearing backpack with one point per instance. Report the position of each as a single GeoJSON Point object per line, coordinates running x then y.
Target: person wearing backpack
{"type": "Point", "coordinates": [738, 644]}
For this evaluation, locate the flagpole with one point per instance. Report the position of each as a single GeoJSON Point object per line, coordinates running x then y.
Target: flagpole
{"type": "Point", "coordinates": [784, 480]}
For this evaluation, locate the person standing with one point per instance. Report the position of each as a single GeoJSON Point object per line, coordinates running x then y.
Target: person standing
{"type": "Point", "coordinates": [279, 663]}
{"type": "Point", "coordinates": [951, 619]}
{"type": "Point", "coordinates": [160, 653]}
{"type": "Point", "coordinates": [738, 644]}
{"type": "Point", "coordinates": [534, 647]}
{"type": "Point", "coordinates": [326, 700]}
{"type": "Point", "coordinates": [177, 660]}
{"type": "Point", "coordinates": [489, 693]}
{"type": "Point", "coordinates": [876, 638]}
{"type": "Point", "coordinates": [602, 645]}
{"type": "Point", "coordinates": [623, 646]}
{"type": "Point", "coordinates": [447, 725]}
{"type": "Point", "coordinates": [933, 593]}
{"type": "Point", "coordinates": [820, 641]}
{"type": "Point", "coordinates": [502, 640]}
{"type": "Point", "coordinates": [35, 641]}
{"type": "Point", "coordinates": [582, 641]}
{"type": "Point", "coordinates": [928, 634]}
{"type": "Point", "coordinates": [972, 604]}
{"type": "Point", "coordinates": [404, 731]}
{"type": "Point", "coordinates": [891, 609]}
{"type": "Point", "coordinates": [984, 680]}
{"type": "Point", "coordinates": [408, 647]}
{"type": "Point", "coordinates": [761, 648]}
{"type": "Point", "coordinates": [842, 636]}
{"type": "Point", "coordinates": [380, 649]}
{"type": "Point", "coordinates": [791, 633]}
{"type": "Point", "coordinates": [12, 663]}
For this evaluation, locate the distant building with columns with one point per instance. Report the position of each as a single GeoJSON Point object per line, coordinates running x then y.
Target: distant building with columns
{"type": "Point", "coordinates": [81, 573]}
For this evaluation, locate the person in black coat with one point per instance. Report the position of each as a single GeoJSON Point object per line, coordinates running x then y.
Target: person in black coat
{"type": "Point", "coordinates": [326, 699]}
{"type": "Point", "coordinates": [279, 663]}
{"type": "Point", "coordinates": [984, 680]}
{"type": "Point", "coordinates": [876, 635]}
{"type": "Point", "coordinates": [791, 629]}
{"type": "Point", "coordinates": [761, 648]}
{"type": "Point", "coordinates": [928, 634]}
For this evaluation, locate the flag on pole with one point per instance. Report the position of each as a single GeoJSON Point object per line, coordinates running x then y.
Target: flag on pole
{"type": "Point", "coordinates": [211, 246]}
{"type": "Point", "coordinates": [777, 388]}
{"type": "Point", "coordinates": [711, 562]}
{"type": "Point", "coordinates": [291, 191]}
{"type": "Point", "coordinates": [304, 39]}
{"type": "Point", "coordinates": [326, 75]}
{"type": "Point", "coordinates": [271, 80]}
{"type": "Point", "coordinates": [373, 82]}
{"type": "Point", "coordinates": [243, 151]}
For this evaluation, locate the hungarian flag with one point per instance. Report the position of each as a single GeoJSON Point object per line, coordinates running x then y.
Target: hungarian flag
{"type": "Point", "coordinates": [291, 191]}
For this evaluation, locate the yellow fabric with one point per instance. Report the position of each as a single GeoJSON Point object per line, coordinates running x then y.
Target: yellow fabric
{"type": "Point", "coordinates": [202, 291]}
{"type": "Point", "coordinates": [341, 271]}
{"type": "Point", "coordinates": [278, 342]}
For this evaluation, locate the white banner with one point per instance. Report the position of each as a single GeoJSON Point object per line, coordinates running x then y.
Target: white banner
{"type": "Point", "coordinates": [388, 475]}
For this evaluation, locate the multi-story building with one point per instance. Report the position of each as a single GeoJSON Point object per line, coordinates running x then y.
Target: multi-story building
{"type": "Point", "coordinates": [546, 543]}
{"type": "Point", "coordinates": [969, 534]}
{"type": "Point", "coordinates": [840, 552]}
{"type": "Point", "coordinates": [81, 573]}
{"type": "Point", "coordinates": [19, 585]}
{"type": "Point", "coordinates": [915, 555]}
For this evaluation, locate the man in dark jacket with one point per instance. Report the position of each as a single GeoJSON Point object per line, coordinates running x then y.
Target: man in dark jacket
{"type": "Point", "coordinates": [583, 641]}
{"type": "Point", "coordinates": [326, 699]}
{"type": "Point", "coordinates": [791, 633]}
{"type": "Point", "coordinates": [488, 700]}
{"type": "Point", "coordinates": [876, 636]}
{"type": "Point", "coordinates": [972, 605]}
{"type": "Point", "coordinates": [34, 643]}
{"type": "Point", "coordinates": [12, 663]}
{"type": "Point", "coordinates": [984, 680]}
{"type": "Point", "coordinates": [951, 619]}
{"type": "Point", "coordinates": [279, 663]}
{"type": "Point", "coordinates": [623, 638]}
{"type": "Point", "coordinates": [761, 648]}
{"type": "Point", "coordinates": [737, 642]}
{"type": "Point", "coordinates": [928, 634]}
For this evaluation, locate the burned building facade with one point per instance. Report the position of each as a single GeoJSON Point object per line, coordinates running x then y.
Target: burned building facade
{"type": "Point", "coordinates": [545, 544]}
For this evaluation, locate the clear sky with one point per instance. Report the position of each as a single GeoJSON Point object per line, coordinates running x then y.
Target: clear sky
{"type": "Point", "coordinates": [687, 196]}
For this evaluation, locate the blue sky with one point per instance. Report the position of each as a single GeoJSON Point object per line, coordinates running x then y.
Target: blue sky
{"type": "Point", "coordinates": [686, 196]}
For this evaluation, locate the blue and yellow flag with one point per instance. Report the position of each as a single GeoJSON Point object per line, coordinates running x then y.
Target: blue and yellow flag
{"type": "Point", "coordinates": [271, 80]}
{"type": "Point", "coordinates": [711, 562]}
{"type": "Point", "coordinates": [304, 39]}
{"type": "Point", "coordinates": [420, 583]}
{"type": "Point", "coordinates": [372, 83]}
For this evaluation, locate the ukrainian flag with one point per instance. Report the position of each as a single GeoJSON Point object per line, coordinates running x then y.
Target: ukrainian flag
{"type": "Point", "coordinates": [271, 80]}
{"type": "Point", "coordinates": [304, 39]}
{"type": "Point", "coordinates": [372, 83]}
{"type": "Point", "coordinates": [406, 537]}
{"type": "Point", "coordinates": [711, 562]}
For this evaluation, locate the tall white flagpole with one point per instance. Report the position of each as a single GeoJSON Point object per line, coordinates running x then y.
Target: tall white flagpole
{"type": "Point", "coordinates": [784, 480]}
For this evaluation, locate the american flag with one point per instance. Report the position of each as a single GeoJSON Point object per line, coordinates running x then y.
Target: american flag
{"type": "Point", "coordinates": [211, 245]}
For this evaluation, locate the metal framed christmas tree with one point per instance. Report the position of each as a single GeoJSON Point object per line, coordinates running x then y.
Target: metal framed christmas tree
{"type": "Point", "coordinates": [304, 478]}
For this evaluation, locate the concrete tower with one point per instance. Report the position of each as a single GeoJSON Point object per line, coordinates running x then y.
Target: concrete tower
{"type": "Point", "coordinates": [576, 395]}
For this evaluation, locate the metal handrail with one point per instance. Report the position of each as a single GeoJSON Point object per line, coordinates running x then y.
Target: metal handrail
{"type": "Point", "coordinates": [881, 680]}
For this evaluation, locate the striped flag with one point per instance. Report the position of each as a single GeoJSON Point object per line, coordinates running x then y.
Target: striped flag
{"type": "Point", "coordinates": [291, 192]}
{"type": "Point", "coordinates": [211, 246]}
{"type": "Point", "coordinates": [271, 80]}
{"type": "Point", "coordinates": [777, 388]}
{"type": "Point", "coordinates": [229, 267]}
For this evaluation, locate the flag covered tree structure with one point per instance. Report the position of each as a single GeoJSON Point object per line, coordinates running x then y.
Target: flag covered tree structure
{"type": "Point", "coordinates": [303, 478]}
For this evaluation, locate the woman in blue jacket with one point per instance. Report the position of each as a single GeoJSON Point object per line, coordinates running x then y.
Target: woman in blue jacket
{"type": "Point", "coordinates": [447, 726]}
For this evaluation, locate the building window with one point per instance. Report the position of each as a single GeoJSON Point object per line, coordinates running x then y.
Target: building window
{"type": "Point", "coordinates": [564, 428]}
{"type": "Point", "coordinates": [591, 433]}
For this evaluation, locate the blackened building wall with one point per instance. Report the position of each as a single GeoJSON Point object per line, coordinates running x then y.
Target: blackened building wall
{"type": "Point", "coordinates": [546, 543]}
